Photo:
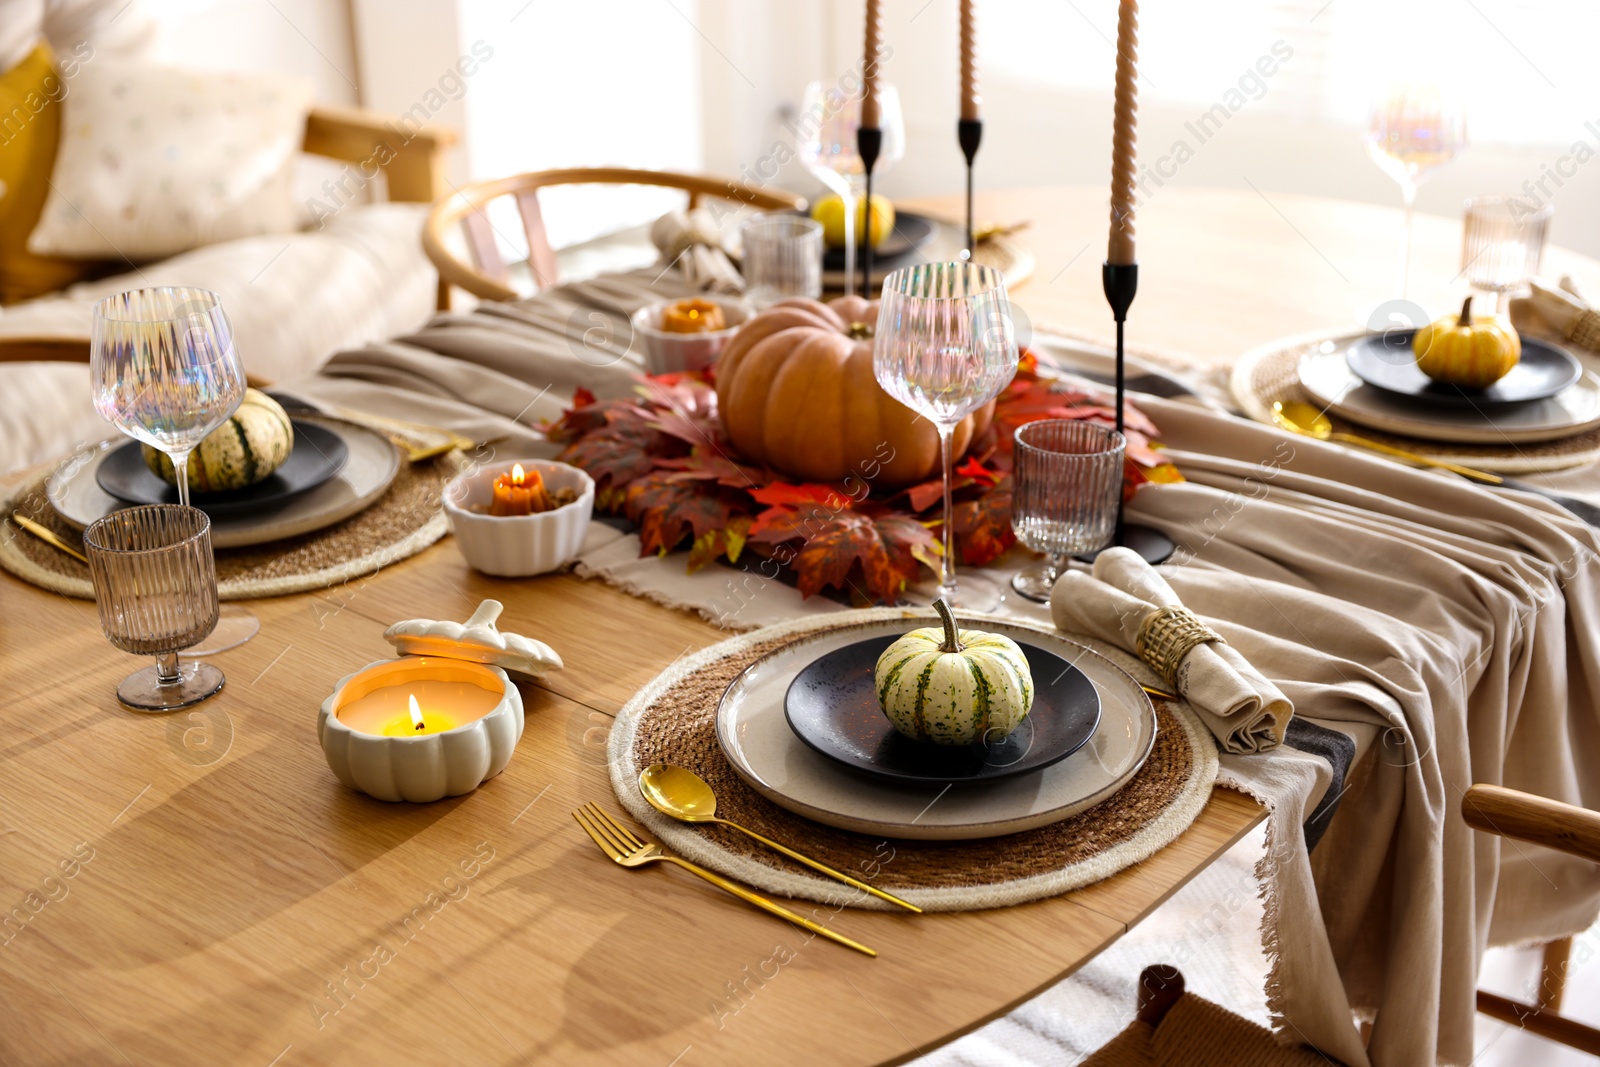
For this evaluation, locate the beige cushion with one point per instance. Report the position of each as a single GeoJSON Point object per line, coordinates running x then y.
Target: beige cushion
{"type": "Point", "coordinates": [154, 160]}
{"type": "Point", "coordinates": [294, 300]}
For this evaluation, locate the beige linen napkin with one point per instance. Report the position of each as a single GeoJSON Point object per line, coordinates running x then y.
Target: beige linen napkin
{"type": "Point", "coordinates": [1562, 312]}
{"type": "Point", "coordinates": [1246, 712]}
{"type": "Point", "coordinates": [691, 241]}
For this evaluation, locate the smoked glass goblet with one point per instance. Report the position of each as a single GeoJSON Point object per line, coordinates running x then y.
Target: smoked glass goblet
{"type": "Point", "coordinates": [1066, 479]}
{"type": "Point", "coordinates": [155, 582]}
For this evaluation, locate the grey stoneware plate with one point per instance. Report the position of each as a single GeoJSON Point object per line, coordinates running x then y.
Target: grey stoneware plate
{"type": "Point", "coordinates": [832, 706]}
{"type": "Point", "coordinates": [319, 454]}
{"type": "Point", "coordinates": [754, 734]}
{"type": "Point", "coordinates": [1386, 361]}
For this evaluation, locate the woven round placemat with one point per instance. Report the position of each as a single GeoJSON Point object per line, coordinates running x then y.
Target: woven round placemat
{"type": "Point", "coordinates": [672, 720]}
{"type": "Point", "coordinates": [401, 523]}
{"type": "Point", "coordinates": [1272, 373]}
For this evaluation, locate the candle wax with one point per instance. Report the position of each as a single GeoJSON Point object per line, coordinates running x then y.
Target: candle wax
{"type": "Point", "coordinates": [386, 712]}
{"type": "Point", "coordinates": [519, 493]}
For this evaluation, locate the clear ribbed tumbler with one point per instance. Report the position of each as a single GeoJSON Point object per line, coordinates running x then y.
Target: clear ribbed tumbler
{"type": "Point", "coordinates": [155, 582]}
{"type": "Point", "coordinates": [1067, 477]}
{"type": "Point", "coordinates": [782, 258]}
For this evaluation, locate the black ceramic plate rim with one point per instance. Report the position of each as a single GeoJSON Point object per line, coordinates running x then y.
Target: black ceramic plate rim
{"type": "Point", "coordinates": [224, 504]}
{"type": "Point", "coordinates": [1459, 397]}
{"type": "Point", "coordinates": [833, 258]}
{"type": "Point", "coordinates": [1002, 775]}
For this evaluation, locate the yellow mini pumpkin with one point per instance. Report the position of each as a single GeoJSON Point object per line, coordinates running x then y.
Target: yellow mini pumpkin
{"type": "Point", "coordinates": [796, 391]}
{"type": "Point", "coordinates": [1461, 350]}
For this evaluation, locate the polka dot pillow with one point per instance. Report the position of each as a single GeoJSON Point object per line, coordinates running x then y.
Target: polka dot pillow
{"type": "Point", "coordinates": [154, 161]}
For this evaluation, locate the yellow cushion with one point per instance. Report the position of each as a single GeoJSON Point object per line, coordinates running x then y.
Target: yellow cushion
{"type": "Point", "coordinates": [30, 129]}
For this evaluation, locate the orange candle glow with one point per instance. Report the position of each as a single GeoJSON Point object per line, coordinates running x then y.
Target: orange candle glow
{"type": "Point", "coordinates": [519, 493]}
{"type": "Point", "coordinates": [418, 708]}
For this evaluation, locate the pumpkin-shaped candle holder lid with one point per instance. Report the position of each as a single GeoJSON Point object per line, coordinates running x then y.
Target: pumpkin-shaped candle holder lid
{"type": "Point", "coordinates": [477, 641]}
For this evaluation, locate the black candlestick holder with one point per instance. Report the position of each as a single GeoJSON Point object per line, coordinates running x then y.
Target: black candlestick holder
{"type": "Point", "coordinates": [969, 132]}
{"type": "Point", "coordinates": [869, 142]}
{"type": "Point", "coordinates": [1121, 283]}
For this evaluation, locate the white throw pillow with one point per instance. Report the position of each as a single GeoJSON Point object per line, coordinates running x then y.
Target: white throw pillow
{"type": "Point", "coordinates": [155, 161]}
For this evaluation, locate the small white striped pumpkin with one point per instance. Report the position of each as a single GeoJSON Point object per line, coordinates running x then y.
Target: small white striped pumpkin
{"type": "Point", "coordinates": [953, 687]}
{"type": "Point", "coordinates": [252, 444]}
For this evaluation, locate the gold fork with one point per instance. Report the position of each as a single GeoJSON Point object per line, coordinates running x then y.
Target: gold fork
{"type": "Point", "coordinates": [623, 848]}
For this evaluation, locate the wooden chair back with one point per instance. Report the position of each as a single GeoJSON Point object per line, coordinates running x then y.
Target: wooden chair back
{"type": "Point", "coordinates": [488, 276]}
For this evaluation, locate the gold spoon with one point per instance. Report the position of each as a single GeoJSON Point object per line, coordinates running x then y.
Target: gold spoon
{"type": "Point", "coordinates": [681, 794]}
{"type": "Point", "coordinates": [1297, 416]}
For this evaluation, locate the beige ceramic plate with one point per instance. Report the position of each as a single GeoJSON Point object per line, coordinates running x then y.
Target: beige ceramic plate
{"type": "Point", "coordinates": [373, 464]}
{"type": "Point", "coordinates": [756, 738]}
{"type": "Point", "coordinates": [1329, 379]}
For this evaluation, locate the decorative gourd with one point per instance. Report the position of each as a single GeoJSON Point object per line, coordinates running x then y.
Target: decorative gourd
{"type": "Point", "coordinates": [1461, 350]}
{"type": "Point", "coordinates": [252, 444]}
{"type": "Point", "coordinates": [954, 687]}
{"type": "Point", "coordinates": [796, 391]}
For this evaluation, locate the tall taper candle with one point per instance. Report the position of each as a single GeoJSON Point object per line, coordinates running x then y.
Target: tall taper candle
{"type": "Point", "coordinates": [969, 62]}
{"type": "Point", "coordinates": [1124, 136]}
{"type": "Point", "coordinates": [869, 98]}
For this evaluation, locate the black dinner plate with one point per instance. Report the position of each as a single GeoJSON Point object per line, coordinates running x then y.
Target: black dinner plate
{"type": "Point", "coordinates": [1386, 362]}
{"type": "Point", "coordinates": [319, 454]}
{"type": "Point", "coordinates": [832, 706]}
{"type": "Point", "coordinates": [910, 233]}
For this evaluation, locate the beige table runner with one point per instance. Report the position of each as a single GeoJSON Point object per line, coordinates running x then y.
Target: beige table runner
{"type": "Point", "coordinates": [1449, 626]}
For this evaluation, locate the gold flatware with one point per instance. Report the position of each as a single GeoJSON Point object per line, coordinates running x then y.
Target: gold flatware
{"type": "Point", "coordinates": [47, 535]}
{"type": "Point", "coordinates": [989, 231]}
{"type": "Point", "coordinates": [1297, 416]}
{"type": "Point", "coordinates": [402, 432]}
{"type": "Point", "coordinates": [623, 848]}
{"type": "Point", "coordinates": [1162, 693]}
{"type": "Point", "coordinates": [681, 794]}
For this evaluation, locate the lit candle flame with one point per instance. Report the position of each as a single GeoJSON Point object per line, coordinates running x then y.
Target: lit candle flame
{"type": "Point", "coordinates": [517, 475]}
{"type": "Point", "coordinates": [416, 712]}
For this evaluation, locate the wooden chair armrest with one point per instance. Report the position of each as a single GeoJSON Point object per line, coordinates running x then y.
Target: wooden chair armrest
{"type": "Point", "coordinates": [406, 148]}
{"type": "Point", "coordinates": [1509, 813]}
{"type": "Point", "coordinates": [44, 350]}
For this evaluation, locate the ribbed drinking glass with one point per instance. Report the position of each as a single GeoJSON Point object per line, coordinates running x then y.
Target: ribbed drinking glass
{"type": "Point", "coordinates": [1066, 477]}
{"type": "Point", "coordinates": [945, 346]}
{"type": "Point", "coordinates": [165, 369]}
{"type": "Point", "coordinates": [155, 582]}
{"type": "Point", "coordinates": [1502, 243]}
{"type": "Point", "coordinates": [782, 258]}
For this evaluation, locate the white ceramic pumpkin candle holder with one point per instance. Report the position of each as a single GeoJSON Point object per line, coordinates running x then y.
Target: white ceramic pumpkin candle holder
{"type": "Point", "coordinates": [666, 352]}
{"type": "Point", "coordinates": [519, 546]}
{"type": "Point", "coordinates": [438, 721]}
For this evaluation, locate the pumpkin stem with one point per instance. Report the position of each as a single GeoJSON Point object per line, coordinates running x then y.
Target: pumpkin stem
{"type": "Point", "coordinates": [952, 638]}
{"type": "Point", "coordinates": [859, 331]}
{"type": "Point", "coordinates": [1466, 312]}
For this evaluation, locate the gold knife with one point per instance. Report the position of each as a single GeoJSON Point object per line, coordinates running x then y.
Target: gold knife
{"type": "Point", "coordinates": [47, 535]}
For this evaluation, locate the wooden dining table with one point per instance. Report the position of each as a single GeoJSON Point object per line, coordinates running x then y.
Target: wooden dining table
{"type": "Point", "coordinates": [197, 888]}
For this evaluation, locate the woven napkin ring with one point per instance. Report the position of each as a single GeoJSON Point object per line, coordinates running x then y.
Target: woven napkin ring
{"type": "Point", "coordinates": [1585, 331]}
{"type": "Point", "coordinates": [1167, 635]}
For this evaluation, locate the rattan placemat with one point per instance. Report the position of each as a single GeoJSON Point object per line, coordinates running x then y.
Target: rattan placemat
{"type": "Point", "coordinates": [672, 720]}
{"type": "Point", "coordinates": [1272, 373]}
{"type": "Point", "coordinates": [401, 523]}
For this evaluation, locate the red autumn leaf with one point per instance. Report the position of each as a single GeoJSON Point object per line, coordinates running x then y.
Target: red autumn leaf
{"type": "Point", "coordinates": [710, 464]}
{"type": "Point", "coordinates": [851, 540]}
{"type": "Point", "coordinates": [807, 493]}
{"type": "Point", "coordinates": [666, 511]}
{"type": "Point", "coordinates": [728, 542]}
{"type": "Point", "coordinates": [910, 542]}
{"type": "Point", "coordinates": [615, 454]}
{"type": "Point", "coordinates": [977, 472]}
{"type": "Point", "coordinates": [983, 526]}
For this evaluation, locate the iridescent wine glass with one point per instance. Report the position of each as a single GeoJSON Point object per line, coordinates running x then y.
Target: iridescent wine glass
{"type": "Point", "coordinates": [946, 345]}
{"type": "Point", "coordinates": [827, 124]}
{"type": "Point", "coordinates": [1066, 478]}
{"type": "Point", "coordinates": [1415, 128]}
{"type": "Point", "coordinates": [165, 369]}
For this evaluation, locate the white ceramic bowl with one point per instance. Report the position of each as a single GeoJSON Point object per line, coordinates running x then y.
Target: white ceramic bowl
{"type": "Point", "coordinates": [421, 769]}
{"type": "Point", "coordinates": [670, 352]}
{"type": "Point", "coordinates": [516, 546]}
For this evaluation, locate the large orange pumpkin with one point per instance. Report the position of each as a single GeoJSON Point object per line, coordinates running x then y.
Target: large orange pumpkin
{"type": "Point", "coordinates": [795, 390]}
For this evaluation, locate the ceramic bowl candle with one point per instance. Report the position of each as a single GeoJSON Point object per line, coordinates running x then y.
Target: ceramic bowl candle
{"type": "Point", "coordinates": [667, 348]}
{"type": "Point", "coordinates": [517, 546]}
{"type": "Point", "coordinates": [437, 722]}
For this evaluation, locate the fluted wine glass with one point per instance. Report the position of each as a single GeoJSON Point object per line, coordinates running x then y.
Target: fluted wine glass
{"type": "Point", "coordinates": [1066, 478]}
{"type": "Point", "coordinates": [946, 345]}
{"type": "Point", "coordinates": [1414, 129]}
{"type": "Point", "coordinates": [155, 582]}
{"type": "Point", "coordinates": [827, 124]}
{"type": "Point", "coordinates": [165, 369]}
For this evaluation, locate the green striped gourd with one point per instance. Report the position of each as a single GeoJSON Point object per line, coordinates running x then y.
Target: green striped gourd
{"type": "Point", "coordinates": [954, 687]}
{"type": "Point", "coordinates": [252, 444]}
